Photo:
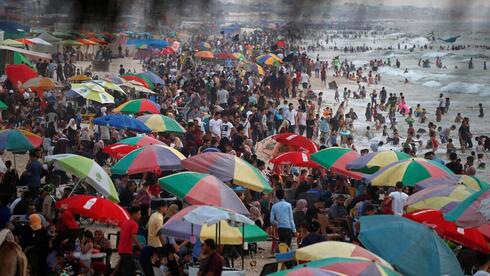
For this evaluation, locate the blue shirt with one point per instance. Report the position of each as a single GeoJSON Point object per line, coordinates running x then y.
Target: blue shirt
{"type": "Point", "coordinates": [34, 177]}
{"type": "Point", "coordinates": [282, 215]}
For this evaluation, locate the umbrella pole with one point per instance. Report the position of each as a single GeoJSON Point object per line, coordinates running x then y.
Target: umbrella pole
{"type": "Point", "coordinates": [15, 163]}
{"type": "Point", "coordinates": [74, 187]}
{"type": "Point", "coordinates": [243, 246]}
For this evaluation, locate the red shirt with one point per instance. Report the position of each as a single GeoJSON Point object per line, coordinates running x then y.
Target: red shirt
{"type": "Point", "coordinates": [128, 229]}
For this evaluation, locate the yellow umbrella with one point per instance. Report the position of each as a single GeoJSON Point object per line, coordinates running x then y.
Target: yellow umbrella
{"type": "Point", "coordinates": [233, 235]}
{"type": "Point", "coordinates": [79, 78]}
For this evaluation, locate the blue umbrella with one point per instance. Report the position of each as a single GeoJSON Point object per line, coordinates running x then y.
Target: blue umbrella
{"type": "Point", "coordinates": [121, 122]}
{"type": "Point", "coordinates": [412, 248]}
{"type": "Point", "coordinates": [153, 77]}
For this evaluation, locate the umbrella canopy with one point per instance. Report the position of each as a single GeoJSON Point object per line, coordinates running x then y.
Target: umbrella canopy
{"type": "Point", "coordinates": [79, 78]}
{"type": "Point", "coordinates": [147, 79]}
{"type": "Point", "coordinates": [330, 249]}
{"type": "Point", "coordinates": [178, 228]}
{"type": "Point", "coordinates": [108, 85]}
{"type": "Point", "coordinates": [11, 43]}
{"type": "Point", "coordinates": [233, 235]}
{"type": "Point", "coordinates": [19, 73]}
{"type": "Point", "coordinates": [347, 266]}
{"type": "Point", "coordinates": [268, 148]}
{"type": "Point", "coordinates": [24, 41]}
{"type": "Point", "coordinates": [137, 86]}
{"type": "Point", "coordinates": [113, 78]}
{"type": "Point", "coordinates": [121, 122]}
{"type": "Point", "coordinates": [441, 197]}
{"type": "Point", "coordinates": [137, 79]}
{"type": "Point", "coordinates": [140, 141]}
{"type": "Point", "coordinates": [41, 83]}
{"type": "Point", "coordinates": [307, 271]}
{"type": "Point", "coordinates": [296, 158]}
{"type": "Point", "coordinates": [372, 162]}
{"type": "Point", "coordinates": [118, 151]}
{"type": "Point", "coordinates": [336, 159]}
{"type": "Point", "coordinates": [470, 237]}
{"type": "Point", "coordinates": [86, 170]}
{"type": "Point", "coordinates": [18, 141]}
{"type": "Point", "coordinates": [409, 172]}
{"type": "Point", "coordinates": [239, 56]}
{"type": "Point", "coordinates": [153, 77]}
{"type": "Point", "coordinates": [204, 45]}
{"type": "Point", "coordinates": [90, 92]}
{"type": "Point", "coordinates": [3, 106]}
{"type": "Point", "coordinates": [202, 189]}
{"type": "Point", "coordinates": [70, 42]}
{"type": "Point", "coordinates": [253, 67]}
{"type": "Point", "coordinates": [138, 106]}
{"type": "Point", "coordinates": [473, 211]}
{"type": "Point", "coordinates": [211, 215]}
{"type": "Point", "coordinates": [228, 167]}
{"type": "Point", "coordinates": [296, 141]}
{"type": "Point", "coordinates": [96, 208]}
{"type": "Point", "coordinates": [152, 158]}
{"type": "Point", "coordinates": [161, 123]}
{"type": "Point", "coordinates": [471, 182]}
{"type": "Point", "coordinates": [204, 54]}
{"type": "Point", "coordinates": [413, 248]}
{"type": "Point", "coordinates": [269, 59]}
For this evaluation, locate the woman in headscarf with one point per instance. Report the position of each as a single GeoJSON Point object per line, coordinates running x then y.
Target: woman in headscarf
{"type": "Point", "coordinates": [256, 215]}
{"type": "Point", "coordinates": [299, 213]}
{"type": "Point", "coordinates": [72, 132]}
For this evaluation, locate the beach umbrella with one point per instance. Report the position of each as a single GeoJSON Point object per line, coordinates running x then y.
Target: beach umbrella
{"type": "Point", "coordinates": [332, 249]}
{"type": "Point", "coordinates": [440, 197]}
{"type": "Point", "coordinates": [253, 67]}
{"type": "Point", "coordinates": [474, 211]}
{"type": "Point", "coordinates": [121, 122]}
{"type": "Point", "coordinates": [24, 41]}
{"type": "Point", "coordinates": [87, 170]}
{"type": "Point", "coordinates": [347, 266]}
{"type": "Point", "coordinates": [42, 83]}
{"type": "Point", "coordinates": [70, 42]}
{"type": "Point", "coordinates": [108, 85]}
{"type": "Point", "coordinates": [239, 56]}
{"type": "Point", "coordinates": [137, 86]}
{"type": "Point", "coordinates": [298, 142]}
{"type": "Point", "coordinates": [96, 208]}
{"type": "Point", "coordinates": [228, 167]}
{"type": "Point", "coordinates": [269, 59]}
{"type": "Point", "coordinates": [161, 123]}
{"type": "Point", "coordinates": [307, 271]}
{"type": "Point", "coordinates": [202, 189]}
{"type": "Point", "coordinates": [373, 161]}
{"type": "Point", "coordinates": [153, 77]}
{"type": "Point", "coordinates": [151, 158]}
{"type": "Point", "coordinates": [138, 106]}
{"type": "Point", "coordinates": [204, 54]}
{"type": "Point", "coordinates": [269, 148]}
{"type": "Point", "coordinates": [138, 79]}
{"type": "Point", "coordinates": [147, 80]}
{"type": "Point", "coordinates": [413, 248]}
{"type": "Point", "coordinates": [409, 172]}
{"type": "Point", "coordinates": [113, 78]}
{"type": "Point", "coordinates": [233, 235]}
{"type": "Point", "coordinates": [471, 182]}
{"type": "Point", "coordinates": [19, 73]}
{"type": "Point", "coordinates": [335, 159]}
{"type": "Point", "coordinates": [18, 140]}
{"type": "Point", "coordinates": [118, 151]}
{"type": "Point", "coordinates": [204, 46]}
{"type": "Point", "coordinates": [469, 237]}
{"type": "Point", "coordinates": [296, 158]}
{"type": "Point", "coordinates": [11, 43]}
{"type": "Point", "coordinates": [225, 56]}
{"type": "Point", "coordinates": [209, 215]}
{"type": "Point", "coordinates": [93, 92]}
{"type": "Point", "coordinates": [178, 228]}
{"type": "Point", "coordinates": [79, 78]}
{"type": "Point", "coordinates": [140, 141]}
{"type": "Point", "coordinates": [3, 106]}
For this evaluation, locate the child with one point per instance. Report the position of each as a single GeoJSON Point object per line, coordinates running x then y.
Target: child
{"type": "Point", "coordinates": [450, 148]}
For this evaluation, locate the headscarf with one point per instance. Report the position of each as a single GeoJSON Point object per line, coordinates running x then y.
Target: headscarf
{"type": "Point", "coordinates": [171, 211]}
{"type": "Point", "coordinates": [255, 213]}
{"type": "Point", "coordinates": [72, 124]}
{"type": "Point", "coordinates": [301, 205]}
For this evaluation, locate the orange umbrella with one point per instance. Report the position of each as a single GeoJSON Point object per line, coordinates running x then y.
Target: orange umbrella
{"type": "Point", "coordinates": [24, 41]}
{"type": "Point", "coordinates": [86, 41]}
{"type": "Point", "coordinates": [204, 54]}
{"type": "Point", "coordinates": [41, 83]}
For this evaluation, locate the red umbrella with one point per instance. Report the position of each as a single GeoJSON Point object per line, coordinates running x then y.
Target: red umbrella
{"type": "Point", "coordinates": [297, 158]}
{"type": "Point", "coordinates": [96, 208]}
{"type": "Point", "coordinates": [136, 78]}
{"type": "Point", "coordinates": [469, 237]}
{"type": "Point", "coordinates": [298, 141]}
{"type": "Point", "coordinates": [167, 51]}
{"type": "Point", "coordinates": [19, 72]}
{"type": "Point", "coordinates": [225, 56]}
{"type": "Point", "coordinates": [118, 151]}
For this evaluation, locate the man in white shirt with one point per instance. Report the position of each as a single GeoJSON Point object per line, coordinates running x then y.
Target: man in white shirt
{"type": "Point", "coordinates": [215, 125]}
{"type": "Point", "coordinates": [226, 128]}
{"type": "Point", "coordinates": [305, 80]}
{"type": "Point", "coordinates": [398, 199]}
{"type": "Point", "coordinates": [291, 117]}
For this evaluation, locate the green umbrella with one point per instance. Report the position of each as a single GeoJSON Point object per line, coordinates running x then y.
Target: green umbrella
{"type": "Point", "coordinates": [3, 106]}
{"type": "Point", "coordinates": [86, 170]}
{"type": "Point", "coordinates": [148, 80]}
{"type": "Point", "coordinates": [161, 123]}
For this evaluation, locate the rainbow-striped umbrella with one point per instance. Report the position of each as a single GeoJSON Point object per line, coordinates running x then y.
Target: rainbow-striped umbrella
{"type": "Point", "coordinates": [18, 141]}
{"type": "Point", "coordinates": [137, 107]}
{"type": "Point", "coordinates": [471, 182]}
{"type": "Point", "coordinates": [152, 158]}
{"type": "Point", "coordinates": [347, 266]}
{"type": "Point", "coordinates": [372, 162]}
{"type": "Point", "coordinates": [161, 123]}
{"type": "Point", "coordinates": [409, 172]}
{"type": "Point", "coordinates": [253, 67]}
{"type": "Point", "coordinates": [204, 54]}
{"type": "Point", "coordinates": [42, 83]}
{"type": "Point", "coordinates": [336, 159]}
{"type": "Point", "coordinates": [228, 167]}
{"type": "Point", "coordinates": [140, 141]}
{"type": "Point", "coordinates": [202, 189]}
{"type": "Point", "coordinates": [473, 211]}
{"type": "Point", "coordinates": [439, 197]}
{"type": "Point", "coordinates": [307, 271]}
{"type": "Point", "coordinates": [269, 59]}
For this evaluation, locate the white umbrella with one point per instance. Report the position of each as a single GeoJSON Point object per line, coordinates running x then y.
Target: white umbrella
{"type": "Point", "coordinates": [211, 215]}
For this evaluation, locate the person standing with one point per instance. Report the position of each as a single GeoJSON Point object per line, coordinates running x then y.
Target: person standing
{"type": "Point", "coordinates": [128, 236]}
{"type": "Point", "coordinates": [398, 199]}
{"type": "Point", "coordinates": [33, 174]}
{"type": "Point", "coordinates": [282, 217]}
{"type": "Point", "coordinates": [155, 223]}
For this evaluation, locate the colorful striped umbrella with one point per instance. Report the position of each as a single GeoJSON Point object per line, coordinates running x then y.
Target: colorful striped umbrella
{"type": "Point", "coordinates": [347, 266]}
{"type": "Point", "coordinates": [19, 73]}
{"type": "Point", "coordinates": [239, 56]}
{"type": "Point", "coordinates": [471, 182]}
{"type": "Point", "coordinates": [137, 107]}
{"type": "Point", "coordinates": [372, 162]}
{"type": "Point", "coordinates": [440, 197]}
{"type": "Point", "coordinates": [473, 211]}
{"type": "Point", "coordinates": [409, 172]}
{"type": "Point", "coordinates": [41, 83]}
{"type": "Point", "coordinates": [96, 208]}
{"type": "Point", "coordinates": [233, 235]}
{"type": "Point", "coordinates": [469, 237]}
{"type": "Point", "coordinates": [118, 151]}
{"type": "Point", "coordinates": [18, 140]}
{"type": "Point", "coordinates": [137, 79]}
{"type": "Point", "coordinates": [413, 248]}
{"type": "Point", "coordinates": [228, 167]}
{"type": "Point", "coordinates": [298, 142]}
{"type": "Point", "coordinates": [154, 78]}
{"type": "Point", "coordinates": [253, 67]}
{"type": "Point", "coordinates": [152, 158]}
{"type": "Point", "coordinates": [86, 170]}
{"type": "Point", "coordinates": [140, 141]}
{"type": "Point", "coordinates": [269, 59]}
{"type": "Point", "coordinates": [332, 249]}
{"type": "Point", "coordinates": [202, 189]}
{"type": "Point", "coordinates": [161, 123]}
{"type": "Point", "coordinates": [212, 215]}
{"type": "Point", "coordinates": [307, 271]}
{"type": "Point", "coordinates": [296, 158]}
{"type": "Point", "coordinates": [147, 79]}
{"type": "Point", "coordinates": [137, 86]}
{"type": "Point", "coordinates": [336, 159]}
{"type": "Point", "coordinates": [121, 122]}
{"type": "Point", "coordinates": [204, 54]}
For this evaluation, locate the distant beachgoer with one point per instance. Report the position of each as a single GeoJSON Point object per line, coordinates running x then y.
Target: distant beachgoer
{"type": "Point", "coordinates": [481, 115]}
